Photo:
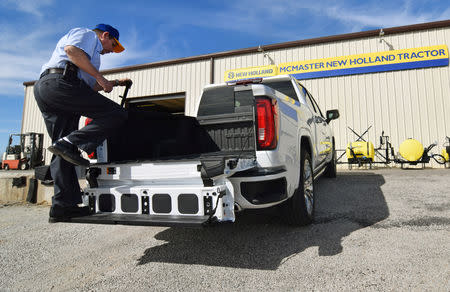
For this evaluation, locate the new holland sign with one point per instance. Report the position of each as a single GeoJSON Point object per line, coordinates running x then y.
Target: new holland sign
{"type": "Point", "coordinates": [353, 64]}
{"type": "Point", "coordinates": [252, 72]}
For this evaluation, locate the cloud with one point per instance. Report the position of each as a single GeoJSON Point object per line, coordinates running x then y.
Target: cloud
{"type": "Point", "coordinates": [20, 61]}
{"type": "Point", "coordinates": [27, 42]}
{"type": "Point", "coordinates": [11, 88]}
{"type": "Point", "coordinates": [360, 15]}
{"type": "Point", "coordinates": [8, 131]}
{"type": "Point", "coordinates": [289, 20]}
{"type": "Point", "coordinates": [136, 50]}
{"type": "Point", "coordinates": [32, 7]}
{"type": "Point", "coordinates": [20, 67]}
{"type": "Point", "coordinates": [9, 121]}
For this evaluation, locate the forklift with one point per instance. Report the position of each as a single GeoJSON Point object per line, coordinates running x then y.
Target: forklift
{"type": "Point", "coordinates": [26, 153]}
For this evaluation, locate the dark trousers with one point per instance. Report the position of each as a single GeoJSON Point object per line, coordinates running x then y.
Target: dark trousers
{"type": "Point", "coordinates": [62, 103]}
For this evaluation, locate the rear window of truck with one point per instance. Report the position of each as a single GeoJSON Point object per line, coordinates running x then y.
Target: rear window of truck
{"type": "Point", "coordinates": [225, 100]}
{"type": "Point", "coordinates": [284, 87]}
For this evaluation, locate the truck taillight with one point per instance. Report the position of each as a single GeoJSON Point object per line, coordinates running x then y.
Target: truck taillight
{"type": "Point", "coordinates": [266, 123]}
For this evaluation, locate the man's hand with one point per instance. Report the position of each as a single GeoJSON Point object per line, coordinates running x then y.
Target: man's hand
{"type": "Point", "coordinates": [105, 84]}
{"type": "Point", "coordinates": [123, 82]}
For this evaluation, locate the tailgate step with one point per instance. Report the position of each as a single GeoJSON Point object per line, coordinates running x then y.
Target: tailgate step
{"type": "Point", "coordinates": [143, 220]}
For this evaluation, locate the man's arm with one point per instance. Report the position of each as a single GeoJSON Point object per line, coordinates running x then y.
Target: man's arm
{"type": "Point", "coordinates": [79, 58]}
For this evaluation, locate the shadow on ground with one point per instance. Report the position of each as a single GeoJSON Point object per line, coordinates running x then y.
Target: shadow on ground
{"type": "Point", "coordinates": [260, 240]}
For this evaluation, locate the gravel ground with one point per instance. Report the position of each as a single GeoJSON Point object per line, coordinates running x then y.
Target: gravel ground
{"type": "Point", "coordinates": [374, 230]}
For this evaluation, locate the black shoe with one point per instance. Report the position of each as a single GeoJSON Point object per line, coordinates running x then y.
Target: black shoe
{"type": "Point", "coordinates": [68, 152]}
{"type": "Point", "coordinates": [64, 214]}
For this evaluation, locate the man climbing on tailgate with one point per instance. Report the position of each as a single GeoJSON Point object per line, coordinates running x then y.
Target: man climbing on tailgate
{"type": "Point", "coordinates": [67, 89]}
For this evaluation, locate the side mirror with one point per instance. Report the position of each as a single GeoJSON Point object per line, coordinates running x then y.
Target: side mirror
{"type": "Point", "coordinates": [332, 115]}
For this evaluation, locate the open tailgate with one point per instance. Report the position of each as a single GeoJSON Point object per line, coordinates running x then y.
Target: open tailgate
{"type": "Point", "coordinates": [166, 193]}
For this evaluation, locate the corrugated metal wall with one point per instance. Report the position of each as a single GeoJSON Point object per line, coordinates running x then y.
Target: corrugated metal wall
{"type": "Point", "coordinates": [188, 77]}
{"type": "Point", "coordinates": [409, 103]}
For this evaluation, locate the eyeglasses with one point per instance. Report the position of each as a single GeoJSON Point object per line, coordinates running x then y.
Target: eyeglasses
{"type": "Point", "coordinates": [113, 41]}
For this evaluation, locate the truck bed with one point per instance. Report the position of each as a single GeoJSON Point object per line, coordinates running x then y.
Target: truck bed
{"type": "Point", "coordinates": [155, 136]}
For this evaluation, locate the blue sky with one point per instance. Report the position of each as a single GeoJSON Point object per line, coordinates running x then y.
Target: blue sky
{"type": "Point", "coordinates": [161, 30]}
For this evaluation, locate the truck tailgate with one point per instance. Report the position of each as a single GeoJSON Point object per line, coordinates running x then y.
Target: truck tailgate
{"type": "Point", "coordinates": [164, 193]}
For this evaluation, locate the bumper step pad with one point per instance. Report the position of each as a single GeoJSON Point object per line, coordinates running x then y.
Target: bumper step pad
{"type": "Point", "coordinates": [143, 220]}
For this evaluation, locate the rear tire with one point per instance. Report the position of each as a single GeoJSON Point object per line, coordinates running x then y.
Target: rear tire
{"type": "Point", "coordinates": [6, 167]}
{"type": "Point", "coordinates": [331, 168]}
{"type": "Point", "coordinates": [299, 209]}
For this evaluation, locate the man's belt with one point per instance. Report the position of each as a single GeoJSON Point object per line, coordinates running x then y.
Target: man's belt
{"type": "Point", "coordinates": [52, 71]}
{"type": "Point", "coordinates": [69, 72]}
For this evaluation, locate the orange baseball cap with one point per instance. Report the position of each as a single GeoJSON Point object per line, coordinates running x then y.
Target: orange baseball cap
{"type": "Point", "coordinates": [112, 32]}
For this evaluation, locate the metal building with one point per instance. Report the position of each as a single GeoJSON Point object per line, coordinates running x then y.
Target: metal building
{"type": "Point", "coordinates": [404, 103]}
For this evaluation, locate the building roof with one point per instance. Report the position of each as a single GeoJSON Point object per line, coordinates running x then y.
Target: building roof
{"type": "Point", "coordinates": [312, 41]}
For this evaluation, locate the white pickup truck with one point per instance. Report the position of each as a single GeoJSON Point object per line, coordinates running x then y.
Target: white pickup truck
{"type": "Point", "coordinates": [253, 144]}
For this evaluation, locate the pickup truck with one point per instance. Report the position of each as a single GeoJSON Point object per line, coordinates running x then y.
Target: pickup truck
{"type": "Point", "coordinates": [253, 144]}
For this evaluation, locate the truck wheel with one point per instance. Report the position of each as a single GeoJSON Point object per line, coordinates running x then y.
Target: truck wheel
{"type": "Point", "coordinates": [299, 209]}
{"type": "Point", "coordinates": [331, 168]}
{"type": "Point", "coordinates": [23, 166]}
{"type": "Point", "coordinates": [6, 167]}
